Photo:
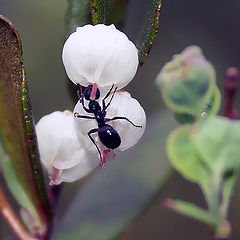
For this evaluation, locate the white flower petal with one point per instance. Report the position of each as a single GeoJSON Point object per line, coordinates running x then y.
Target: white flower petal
{"type": "Point", "coordinates": [89, 162]}
{"type": "Point", "coordinates": [122, 105]}
{"type": "Point", "coordinates": [100, 54]}
{"type": "Point", "coordinates": [60, 148]}
{"type": "Point", "coordinates": [56, 139]}
{"type": "Point", "coordinates": [126, 106]}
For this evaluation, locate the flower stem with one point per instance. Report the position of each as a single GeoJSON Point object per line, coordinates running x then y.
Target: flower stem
{"type": "Point", "coordinates": [54, 193]}
{"type": "Point", "coordinates": [12, 220]}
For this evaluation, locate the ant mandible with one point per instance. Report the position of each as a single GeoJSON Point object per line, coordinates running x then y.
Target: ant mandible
{"type": "Point", "coordinates": [106, 133]}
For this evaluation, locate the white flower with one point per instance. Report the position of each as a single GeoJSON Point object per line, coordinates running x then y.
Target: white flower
{"type": "Point", "coordinates": [100, 54]}
{"type": "Point", "coordinates": [60, 150]}
{"type": "Point", "coordinates": [122, 105]}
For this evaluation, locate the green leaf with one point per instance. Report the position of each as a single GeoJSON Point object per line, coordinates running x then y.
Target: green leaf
{"type": "Point", "coordinates": [17, 190]}
{"type": "Point", "coordinates": [77, 15]}
{"type": "Point", "coordinates": [114, 196]}
{"type": "Point", "coordinates": [183, 154]}
{"type": "Point", "coordinates": [189, 210]}
{"type": "Point", "coordinates": [2, 153]}
{"type": "Point", "coordinates": [82, 12]}
{"type": "Point", "coordinates": [149, 30]}
{"type": "Point", "coordinates": [116, 12]}
{"type": "Point", "coordinates": [218, 141]}
{"type": "Point", "coordinates": [98, 11]}
{"type": "Point", "coordinates": [16, 122]}
{"type": "Point", "coordinates": [227, 192]}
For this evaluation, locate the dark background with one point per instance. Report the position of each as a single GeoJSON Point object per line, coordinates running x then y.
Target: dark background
{"type": "Point", "coordinates": [214, 25]}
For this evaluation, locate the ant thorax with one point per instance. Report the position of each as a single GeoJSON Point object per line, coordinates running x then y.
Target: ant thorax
{"type": "Point", "coordinates": [94, 106]}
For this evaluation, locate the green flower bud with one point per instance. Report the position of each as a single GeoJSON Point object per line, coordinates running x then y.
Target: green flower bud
{"type": "Point", "coordinates": [210, 109]}
{"type": "Point", "coordinates": [187, 82]}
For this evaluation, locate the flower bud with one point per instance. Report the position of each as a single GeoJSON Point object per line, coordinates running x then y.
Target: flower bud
{"type": "Point", "coordinates": [210, 109]}
{"type": "Point", "coordinates": [122, 105]}
{"type": "Point", "coordinates": [100, 54]}
{"type": "Point", "coordinates": [61, 152]}
{"type": "Point", "coordinates": [187, 82]}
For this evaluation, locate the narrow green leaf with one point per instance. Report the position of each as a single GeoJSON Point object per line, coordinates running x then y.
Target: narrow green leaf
{"type": "Point", "coordinates": [16, 188]}
{"type": "Point", "coordinates": [149, 30]}
{"type": "Point", "coordinates": [77, 15]}
{"type": "Point", "coordinates": [189, 210]}
{"type": "Point", "coordinates": [115, 12]}
{"type": "Point", "coordinates": [108, 12]}
{"type": "Point", "coordinates": [98, 10]}
{"type": "Point", "coordinates": [82, 12]}
{"type": "Point", "coordinates": [16, 121]}
{"type": "Point", "coordinates": [2, 153]}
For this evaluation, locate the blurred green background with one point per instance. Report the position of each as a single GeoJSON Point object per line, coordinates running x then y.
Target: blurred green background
{"type": "Point", "coordinates": [213, 25]}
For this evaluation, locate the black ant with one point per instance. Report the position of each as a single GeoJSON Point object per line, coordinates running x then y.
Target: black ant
{"type": "Point", "coordinates": [107, 134]}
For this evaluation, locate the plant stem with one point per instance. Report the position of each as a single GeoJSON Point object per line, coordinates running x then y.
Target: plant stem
{"type": "Point", "coordinates": [54, 193]}
{"type": "Point", "coordinates": [231, 86]}
{"type": "Point", "coordinates": [12, 220]}
{"type": "Point", "coordinates": [214, 191]}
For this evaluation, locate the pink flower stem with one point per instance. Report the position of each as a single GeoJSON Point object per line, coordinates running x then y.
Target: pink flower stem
{"type": "Point", "coordinates": [54, 177]}
{"type": "Point", "coordinates": [104, 159]}
{"type": "Point", "coordinates": [94, 91]}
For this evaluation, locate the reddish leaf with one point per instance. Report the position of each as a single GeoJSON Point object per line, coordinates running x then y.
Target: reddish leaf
{"type": "Point", "coordinates": [16, 122]}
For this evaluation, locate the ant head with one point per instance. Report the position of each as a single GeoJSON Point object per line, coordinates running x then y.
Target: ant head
{"type": "Point", "coordinates": [88, 91]}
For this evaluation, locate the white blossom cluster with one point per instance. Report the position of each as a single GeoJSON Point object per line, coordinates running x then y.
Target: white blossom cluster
{"type": "Point", "coordinates": [97, 55]}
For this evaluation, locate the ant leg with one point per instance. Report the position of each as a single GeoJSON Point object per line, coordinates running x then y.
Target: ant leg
{"type": "Point", "coordinates": [103, 101]}
{"type": "Point", "coordinates": [79, 92]}
{"type": "Point", "coordinates": [89, 134]}
{"type": "Point", "coordinates": [109, 92]}
{"type": "Point", "coordinates": [110, 99]}
{"type": "Point", "coordinates": [77, 115]}
{"type": "Point", "coordinates": [81, 98]}
{"type": "Point", "coordinates": [123, 118]}
{"type": "Point", "coordinates": [86, 109]}
{"type": "Point", "coordinates": [105, 107]}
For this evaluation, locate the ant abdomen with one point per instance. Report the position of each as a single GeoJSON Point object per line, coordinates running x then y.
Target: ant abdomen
{"type": "Point", "coordinates": [109, 137]}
